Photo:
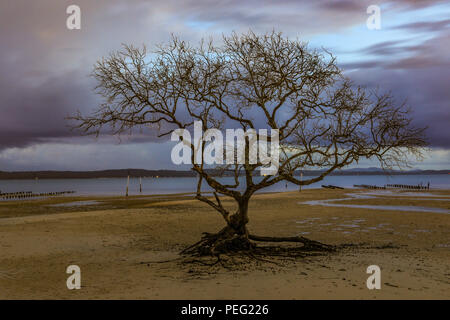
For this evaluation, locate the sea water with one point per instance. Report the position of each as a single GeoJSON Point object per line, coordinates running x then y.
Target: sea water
{"type": "Point", "coordinates": [150, 186]}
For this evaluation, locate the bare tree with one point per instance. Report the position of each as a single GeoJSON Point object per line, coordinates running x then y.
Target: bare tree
{"type": "Point", "coordinates": [253, 81]}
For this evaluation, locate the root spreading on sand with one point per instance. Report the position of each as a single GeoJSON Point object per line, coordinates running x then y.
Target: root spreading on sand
{"type": "Point", "coordinates": [229, 243]}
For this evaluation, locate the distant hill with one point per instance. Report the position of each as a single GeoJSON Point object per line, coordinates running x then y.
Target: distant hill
{"type": "Point", "coordinates": [115, 173]}
{"type": "Point", "coordinates": [121, 173]}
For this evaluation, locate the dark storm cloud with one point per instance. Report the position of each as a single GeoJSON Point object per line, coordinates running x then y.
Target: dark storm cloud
{"type": "Point", "coordinates": [33, 114]}
{"type": "Point", "coordinates": [421, 79]}
{"type": "Point", "coordinates": [344, 5]}
{"type": "Point", "coordinates": [44, 67]}
{"type": "Point", "coordinates": [360, 65]}
{"type": "Point", "coordinates": [415, 4]}
{"type": "Point", "coordinates": [400, 55]}
{"type": "Point", "coordinates": [425, 26]}
{"type": "Point", "coordinates": [426, 92]}
{"type": "Point", "coordinates": [386, 48]}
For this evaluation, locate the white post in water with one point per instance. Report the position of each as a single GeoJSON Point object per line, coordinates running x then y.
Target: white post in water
{"type": "Point", "coordinates": [140, 184]}
{"type": "Point", "coordinates": [128, 182]}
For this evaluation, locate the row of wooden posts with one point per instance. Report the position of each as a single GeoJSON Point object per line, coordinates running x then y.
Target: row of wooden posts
{"type": "Point", "coordinates": [30, 194]}
{"type": "Point", "coordinates": [399, 186]}
{"type": "Point", "coordinates": [367, 186]}
{"type": "Point", "coordinates": [406, 186]}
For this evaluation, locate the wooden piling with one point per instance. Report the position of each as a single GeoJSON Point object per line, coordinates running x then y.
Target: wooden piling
{"type": "Point", "coordinates": [128, 183]}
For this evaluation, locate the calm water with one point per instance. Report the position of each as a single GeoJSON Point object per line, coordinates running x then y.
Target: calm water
{"type": "Point", "coordinates": [116, 186]}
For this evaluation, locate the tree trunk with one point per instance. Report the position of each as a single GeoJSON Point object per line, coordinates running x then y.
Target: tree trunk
{"type": "Point", "coordinates": [235, 237]}
{"type": "Point", "coordinates": [239, 220]}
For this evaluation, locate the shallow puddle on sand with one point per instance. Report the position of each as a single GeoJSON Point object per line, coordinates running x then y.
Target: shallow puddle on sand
{"type": "Point", "coordinates": [374, 195]}
{"type": "Point", "coordinates": [75, 203]}
{"type": "Point", "coordinates": [349, 225]}
{"type": "Point", "coordinates": [389, 193]}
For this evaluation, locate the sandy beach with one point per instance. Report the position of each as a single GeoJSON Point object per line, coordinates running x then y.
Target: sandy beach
{"type": "Point", "coordinates": [128, 248]}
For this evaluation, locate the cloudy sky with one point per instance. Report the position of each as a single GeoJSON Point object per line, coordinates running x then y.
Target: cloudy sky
{"type": "Point", "coordinates": [44, 67]}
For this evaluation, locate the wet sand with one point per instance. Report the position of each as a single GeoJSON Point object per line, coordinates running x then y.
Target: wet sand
{"type": "Point", "coordinates": [128, 248]}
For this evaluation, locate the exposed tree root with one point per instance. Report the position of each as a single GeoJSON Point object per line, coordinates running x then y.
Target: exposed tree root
{"type": "Point", "coordinates": [215, 244]}
{"type": "Point", "coordinates": [160, 261]}
{"type": "Point", "coordinates": [308, 244]}
{"type": "Point", "coordinates": [256, 257]}
{"type": "Point", "coordinates": [228, 242]}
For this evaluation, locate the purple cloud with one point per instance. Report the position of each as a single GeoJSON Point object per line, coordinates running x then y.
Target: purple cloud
{"type": "Point", "coordinates": [45, 67]}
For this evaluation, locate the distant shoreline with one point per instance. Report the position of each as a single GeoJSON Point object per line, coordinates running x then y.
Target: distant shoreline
{"type": "Point", "coordinates": [122, 173]}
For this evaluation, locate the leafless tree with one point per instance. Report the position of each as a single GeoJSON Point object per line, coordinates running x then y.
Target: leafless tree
{"type": "Point", "coordinates": [253, 81]}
